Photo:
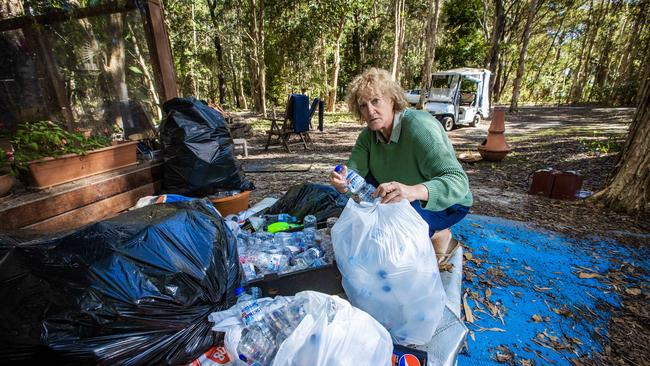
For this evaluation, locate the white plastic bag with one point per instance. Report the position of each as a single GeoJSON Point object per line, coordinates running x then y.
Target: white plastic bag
{"type": "Point", "coordinates": [389, 268]}
{"type": "Point", "coordinates": [331, 333]}
{"type": "Point", "coordinates": [334, 333]}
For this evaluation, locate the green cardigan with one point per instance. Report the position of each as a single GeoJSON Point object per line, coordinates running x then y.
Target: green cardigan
{"type": "Point", "coordinates": [418, 152]}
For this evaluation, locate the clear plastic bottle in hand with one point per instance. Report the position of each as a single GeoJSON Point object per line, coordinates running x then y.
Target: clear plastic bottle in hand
{"type": "Point", "coordinates": [357, 185]}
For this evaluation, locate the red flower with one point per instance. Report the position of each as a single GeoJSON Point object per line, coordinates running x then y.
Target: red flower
{"type": "Point", "coordinates": [64, 141]}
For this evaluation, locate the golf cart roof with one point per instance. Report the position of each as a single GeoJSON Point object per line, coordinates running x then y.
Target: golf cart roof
{"type": "Point", "coordinates": [465, 71]}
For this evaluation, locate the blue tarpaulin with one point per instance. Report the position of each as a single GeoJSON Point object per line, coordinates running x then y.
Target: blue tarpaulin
{"type": "Point", "coordinates": [550, 297]}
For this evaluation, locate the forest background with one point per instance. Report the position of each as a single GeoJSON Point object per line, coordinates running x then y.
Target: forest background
{"type": "Point", "coordinates": [251, 54]}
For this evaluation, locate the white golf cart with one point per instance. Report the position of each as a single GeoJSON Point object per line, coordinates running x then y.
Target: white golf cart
{"type": "Point", "coordinates": [459, 97]}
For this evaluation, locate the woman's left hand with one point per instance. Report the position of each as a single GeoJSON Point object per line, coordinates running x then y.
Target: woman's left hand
{"type": "Point", "coordinates": [395, 192]}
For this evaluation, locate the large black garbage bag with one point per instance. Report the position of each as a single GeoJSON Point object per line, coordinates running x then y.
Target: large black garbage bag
{"type": "Point", "coordinates": [320, 200]}
{"type": "Point", "coordinates": [135, 289]}
{"type": "Point", "coordinates": [198, 150]}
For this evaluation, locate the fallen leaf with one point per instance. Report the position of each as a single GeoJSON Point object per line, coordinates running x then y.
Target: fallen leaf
{"type": "Point", "coordinates": [446, 267]}
{"type": "Point", "coordinates": [468, 311]}
{"type": "Point", "coordinates": [588, 275]}
{"type": "Point", "coordinates": [468, 256]}
{"type": "Point", "coordinates": [633, 291]}
{"type": "Point", "coordinates": [525, 362]}
{"type": "Point", "coordinates": [480, 329]}
{"type": "Point", "coordinates": [471, 334]}
{"type": "Point", "coordinates": [541, 289]}
{"type": "Point", "coordinates": [503, 357]}
{"type": "Point", "coordinates": [488, 293]}
{"type": "Point", "coordinates": [537, 318]}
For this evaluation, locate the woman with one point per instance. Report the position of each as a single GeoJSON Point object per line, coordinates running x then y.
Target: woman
{"type": "Point", "coordinates": [406, 154]}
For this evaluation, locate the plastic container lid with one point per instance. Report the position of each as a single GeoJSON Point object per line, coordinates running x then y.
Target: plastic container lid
{"type": "Point", "coordinates": [239, 291]}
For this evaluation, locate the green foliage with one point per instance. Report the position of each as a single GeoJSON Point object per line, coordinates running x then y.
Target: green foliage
{"type": "Point", "coordinates": [599, 146]}
{"type": "Point", "coordinates": [37, 140]}
{"type": "Point", "coordinates": [300, 39]}
{"type": "Point", "coordinates": [6, 160]}
{"type": "Point", "coordinates": [463, 43]}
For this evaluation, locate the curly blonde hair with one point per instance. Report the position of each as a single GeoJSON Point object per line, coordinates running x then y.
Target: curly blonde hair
{"type": "Point", "coordinates": [374, 81]}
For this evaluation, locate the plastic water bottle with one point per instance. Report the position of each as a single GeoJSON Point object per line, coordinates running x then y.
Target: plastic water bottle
{"type": "Point", "coordinates": [260, 342]}
{"type": "Point", "coordinates": [309, 229]}
{"type": "Point", "coordinates": [311, 257]}
{"type": "Point", "coordinates": [356, 185]}
{"type": "Point", "coordinates": [272, 263]}
{"type": "Point", "coordinates": [282, 217]}
{"type": "Point", "coordinates": [249, 308]}
{"type": "Point", "coordinates": [255, 348]}
{"type": "Point", "coordinates": [255, 292]}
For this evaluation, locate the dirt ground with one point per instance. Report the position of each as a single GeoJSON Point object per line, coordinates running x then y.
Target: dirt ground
{"type": "Point", "coordinates": [583, 139]}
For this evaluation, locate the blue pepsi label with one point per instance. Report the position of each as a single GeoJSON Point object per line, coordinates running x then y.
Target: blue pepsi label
{"type": "Point", "coordinates": [405, 356]}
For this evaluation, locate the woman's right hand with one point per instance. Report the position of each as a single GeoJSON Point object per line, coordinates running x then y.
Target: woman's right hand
{"type": "Point", "coordinates": [337, 180]}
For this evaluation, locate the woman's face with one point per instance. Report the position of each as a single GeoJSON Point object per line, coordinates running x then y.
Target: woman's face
{"type": "Point", "coordinates": [376, 110]}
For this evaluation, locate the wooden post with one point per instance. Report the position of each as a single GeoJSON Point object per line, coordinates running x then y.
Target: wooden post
{"type": "Point", "coordinates": [160, 50]}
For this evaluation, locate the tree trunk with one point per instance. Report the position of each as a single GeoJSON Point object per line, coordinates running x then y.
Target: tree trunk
{"type": "Point", "coordinates": [193, 80]}
{"type": "Point", "coordinates": [356, 45]}
{"type": "Point", "coordinates": [258, 65]}
{"type": "Point", "coordinates": [399, 8]}
{"type": "Point", "coordinates": [218, 50]}
{"type": "Point", "coordinates": [573, 97]}
{"type": "Point", "coordinates": [629, 189]}
{"type": "Point", "coordinates": [497, 34]}
{"type": "Point", "coordinates": [331, 98]}
{"type": "Point", "coordinates": [624, 72]}
{"type": "Point", "coordinates": [552, 47]}
{"type": "Point", "coordinates": [323, 62]}
{"type": "Point", "coordinates": [430, 46]}
{"type": "Point", "coordinates": [603, 65]}
{"type": "Point", "coordinates": [235, 81]}
{"type": "Point", "coordinates": [151, 83]}
{"type": "Point", "coordinates": [582, 81]}
{"type": "Point", "coordinates": [516, 88]}
{"type": "Point", "coordinates": [115, 70]}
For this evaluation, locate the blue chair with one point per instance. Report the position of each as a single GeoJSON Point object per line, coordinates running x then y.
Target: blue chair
{"type": "Point", "coordinates": [297, 120]}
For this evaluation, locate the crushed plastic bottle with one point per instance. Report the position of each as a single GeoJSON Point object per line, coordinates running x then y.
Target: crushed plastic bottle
{"type": "Point", "coordinates": [249, 308]}
{"type": "Point", "coordinates": [260, 341]}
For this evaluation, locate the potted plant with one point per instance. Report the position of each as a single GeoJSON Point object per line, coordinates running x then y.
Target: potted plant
{"type": "Point", "coordinates": [6, 178]}
{"type": "Point", "coordinates": [48, 155]}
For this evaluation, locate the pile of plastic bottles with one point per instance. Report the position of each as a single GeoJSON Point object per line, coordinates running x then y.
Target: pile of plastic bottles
{"type": "Point", "coordinates": [266, 328]}
{"type": "Point", "coordinates": [263, 253]}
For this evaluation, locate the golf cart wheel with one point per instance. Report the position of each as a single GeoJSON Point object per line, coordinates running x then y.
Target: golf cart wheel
{"type": "Point", "coordinates": [475, 121]}
{"type": "Point", "coordinates": [447, 123]}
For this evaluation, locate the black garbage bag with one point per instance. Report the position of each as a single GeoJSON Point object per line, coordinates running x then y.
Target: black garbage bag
{"type": "Point", "coordinates": [198, 151]}
{"type": "Point", "coordinates": [320, 200]}
{"type": "Point", "coordinates": [136, 289]}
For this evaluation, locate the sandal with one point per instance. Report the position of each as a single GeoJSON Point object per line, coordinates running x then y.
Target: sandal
{"type": "Point", "coordinates": [443, 258]}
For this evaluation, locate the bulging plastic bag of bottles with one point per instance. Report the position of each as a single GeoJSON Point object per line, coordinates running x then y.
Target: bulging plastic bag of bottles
{"type": "Point", "coordinates": [310, 328]}
{"type": "Point", "coordinates": [389, 268]}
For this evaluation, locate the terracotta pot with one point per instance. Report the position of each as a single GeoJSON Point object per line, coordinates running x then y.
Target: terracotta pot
{"type": "Point", "coordinates": [6, 183]}
{"type": "Point", "coordinates": [231, 204]}
{"type": "Point", "coordinates": [49, 172]}
{"type": "Point", "coordinates": [494, 147]}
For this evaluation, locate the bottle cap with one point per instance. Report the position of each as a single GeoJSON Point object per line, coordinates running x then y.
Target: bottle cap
{"type": "Point", "coordinates": [239, 291]}
{"type": "Point", "coordinates": [338, 168]}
